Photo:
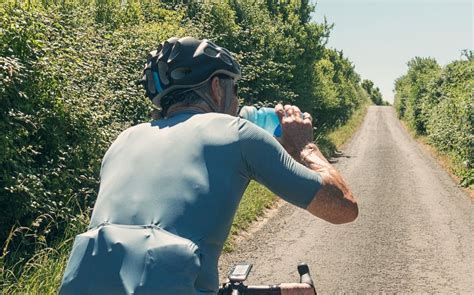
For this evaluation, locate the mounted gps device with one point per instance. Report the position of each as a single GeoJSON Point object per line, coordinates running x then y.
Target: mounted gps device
{"type": "Point", "coordinates": [240, 272]}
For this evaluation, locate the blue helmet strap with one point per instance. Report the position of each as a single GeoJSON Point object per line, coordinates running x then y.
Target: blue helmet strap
{"type": "Point", "coordinates": [156, 79]}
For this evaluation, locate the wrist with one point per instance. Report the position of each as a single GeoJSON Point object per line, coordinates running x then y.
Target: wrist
{"type": "Point", "coordinates": [312, 158]}
{"type": "Point", "coordinates": [306, 152]}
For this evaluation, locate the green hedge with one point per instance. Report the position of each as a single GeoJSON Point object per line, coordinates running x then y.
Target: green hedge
{"type": "Point", "coordinates": [439, 103]}
{"type": "Point", "coordinates": [67, 89]}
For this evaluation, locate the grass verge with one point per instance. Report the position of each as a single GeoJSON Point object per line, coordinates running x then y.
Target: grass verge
{"type": "Point", "coordinates": [42, 273]}
{"type": "Point", "coordinates": [341, 135]}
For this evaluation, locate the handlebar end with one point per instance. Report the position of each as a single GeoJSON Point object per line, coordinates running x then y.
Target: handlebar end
{"type": "Point", "coordinates": [305, 276]}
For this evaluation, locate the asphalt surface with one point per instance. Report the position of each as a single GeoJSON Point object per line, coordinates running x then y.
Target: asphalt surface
{"type": "Point", "coordinates": [414, 232]}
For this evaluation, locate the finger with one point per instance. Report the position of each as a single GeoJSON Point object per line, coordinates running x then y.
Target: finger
{"type": "Point", "coordinates": [296, 110]}
{"type": "Point", "coordinates": [289, 111]}
{"type": "Point", "coordinates": [297, 113]}
{"type": "Point", "coordinates": [307, 116]}
{"type": "Point", "coordinates": [280, 112]}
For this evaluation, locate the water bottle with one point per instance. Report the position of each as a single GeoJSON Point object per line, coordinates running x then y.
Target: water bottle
{"type": "Point", "coordinates": [265, 118]}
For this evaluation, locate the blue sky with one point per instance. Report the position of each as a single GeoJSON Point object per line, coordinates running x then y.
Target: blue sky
{"type": "Point", "coordinates": [380, 37]}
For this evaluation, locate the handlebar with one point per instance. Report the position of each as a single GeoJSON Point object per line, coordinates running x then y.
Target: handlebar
{"type": "Point", "coordinates": [306, 286]}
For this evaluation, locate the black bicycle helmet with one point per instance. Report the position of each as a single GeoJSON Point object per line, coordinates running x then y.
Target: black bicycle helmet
{"type": "Point", "coordinates": [185, 63]}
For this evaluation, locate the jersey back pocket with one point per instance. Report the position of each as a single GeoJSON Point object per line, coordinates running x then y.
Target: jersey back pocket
{"type": "Point", "coordinates": [130, 259]}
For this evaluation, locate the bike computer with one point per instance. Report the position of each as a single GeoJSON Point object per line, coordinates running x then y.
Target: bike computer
{"type": "Point", "coordinates": [240, 272]}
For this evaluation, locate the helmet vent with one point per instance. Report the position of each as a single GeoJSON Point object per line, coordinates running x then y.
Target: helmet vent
{"type": "Point", "coordinates": [175, 51]}
{"type": "Point", "coordinates": [180, 73]}
{"type": "Point", "coordinates": [152, 54]}
{"type": "Point", "coordinates": [160, 47]}
{"type": "Point", "coordinates": [150, 84]}
{"type": "Point", "coordinates": [166, 47]}
{"type": "Point", "coordinates": [226, 58]}
{"type": "Point", "coordinates": [209, 51]}
{"type": "Point", "coordinates": [162, 69]}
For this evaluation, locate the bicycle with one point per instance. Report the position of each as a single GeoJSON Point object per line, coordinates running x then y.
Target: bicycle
{"type": "Point", "coordinates": [240, 272]}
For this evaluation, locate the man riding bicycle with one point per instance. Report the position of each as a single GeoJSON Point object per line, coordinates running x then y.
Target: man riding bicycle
{"type": "Point", "coordinates": [170, 188]}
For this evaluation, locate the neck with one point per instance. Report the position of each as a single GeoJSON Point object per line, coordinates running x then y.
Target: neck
{"type": "Point", "coordinates": [177, 108]}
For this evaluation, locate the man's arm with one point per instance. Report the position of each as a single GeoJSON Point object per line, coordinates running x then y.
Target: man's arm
{"type": "Point", "coordinates": [334, 201]}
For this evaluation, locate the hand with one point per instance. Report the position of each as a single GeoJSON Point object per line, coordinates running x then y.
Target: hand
{"type": "Point", "coordinates": [297, 129]}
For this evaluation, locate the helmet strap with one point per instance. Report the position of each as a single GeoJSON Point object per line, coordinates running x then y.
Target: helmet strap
{"type": "Point", "coordinates": [228, 97]}
{"type": "Point", "coordinates": [206, 96]}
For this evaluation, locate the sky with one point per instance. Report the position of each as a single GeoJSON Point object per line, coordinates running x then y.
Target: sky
{"type": "Point", "coordinates": [380, 37]}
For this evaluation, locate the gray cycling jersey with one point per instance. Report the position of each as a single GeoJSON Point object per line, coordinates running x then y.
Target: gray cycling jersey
{"type": "Point", "coordinates": [169, 191]}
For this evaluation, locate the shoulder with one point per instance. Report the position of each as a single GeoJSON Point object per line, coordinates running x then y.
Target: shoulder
{"type": "Point", "coordinates": [219, 123]}
{"type": "Point", "coordinates": [126, 136]}
{"type": "Point", "coordinates": [217, 117]}
{"type": "Point", "coordinates": [135, 128]}
{"type": "Point", "coordinates": [250, 131]}
{"type": "Point", "coordinates": [131, 131]}
{"type": "Point", "coordinates": [245, 130]}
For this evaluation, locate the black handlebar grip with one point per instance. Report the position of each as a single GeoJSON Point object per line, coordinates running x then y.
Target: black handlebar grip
{"type": "Point", "coordinates": [305, 276]}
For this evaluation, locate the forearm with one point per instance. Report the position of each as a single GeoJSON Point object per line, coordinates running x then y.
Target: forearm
{"type": "Point", "coordinates": [334, 201]}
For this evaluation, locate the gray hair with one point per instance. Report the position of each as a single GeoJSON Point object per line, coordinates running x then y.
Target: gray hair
{"type": "Point", "coordinates": [196, 95]}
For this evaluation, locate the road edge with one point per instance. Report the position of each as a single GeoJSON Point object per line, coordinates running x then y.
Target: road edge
{"type": "Point", "coordinates": [443, 161]}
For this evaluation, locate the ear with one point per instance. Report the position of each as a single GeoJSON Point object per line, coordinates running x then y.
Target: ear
{"type": "Point", "coordinates": [216, 91]}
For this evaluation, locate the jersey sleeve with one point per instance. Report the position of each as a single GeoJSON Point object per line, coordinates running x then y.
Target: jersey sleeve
{"type": "Point", "coordinates": [267, 162]}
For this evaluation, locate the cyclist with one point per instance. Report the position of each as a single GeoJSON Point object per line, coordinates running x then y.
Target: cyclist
{"type": "Point", "coordinates": [170, 188]}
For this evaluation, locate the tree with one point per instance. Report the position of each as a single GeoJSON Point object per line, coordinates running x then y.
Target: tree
{"type": "Point", "coordinates": [373, 92]}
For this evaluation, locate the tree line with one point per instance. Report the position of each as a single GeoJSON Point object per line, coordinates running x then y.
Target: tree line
{"type": "Point", "coordinates": [438, 102]}
{"type": "Point", "coordinates": [374, 92]}
{"type": "Point", "coordinates": [67, 89]}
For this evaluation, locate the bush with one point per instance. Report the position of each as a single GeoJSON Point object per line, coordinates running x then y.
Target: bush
{"type": "Point", "coordinates": [67, 90]}
{"type": "Point", "coordinates": [450, 124]}
{"type": "Point", "coordinates": [438, 102]}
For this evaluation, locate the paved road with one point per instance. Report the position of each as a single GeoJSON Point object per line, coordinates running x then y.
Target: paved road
{"type": "Point", "coordinates": [413, 234]}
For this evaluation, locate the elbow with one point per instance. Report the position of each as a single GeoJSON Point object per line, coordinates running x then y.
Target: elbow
{"type": "Point", "coordinates": [334, 202]}
{"type": "Point", "coordinates": [346, 214]}
{"type": "Point", "coordinates": [334, 207]}
{"type": "Point", "coordinates": [354, 212]}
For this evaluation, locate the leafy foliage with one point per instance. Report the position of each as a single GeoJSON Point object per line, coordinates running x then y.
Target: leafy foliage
{"type": "Point", "coordinates": [66, 91]}
{"type": "Point", "coordinates": [438, 102]}
{"type": "Point", "coordinates": [336, 90]}
{"type": "Point", "coordinates": [373, 92]}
